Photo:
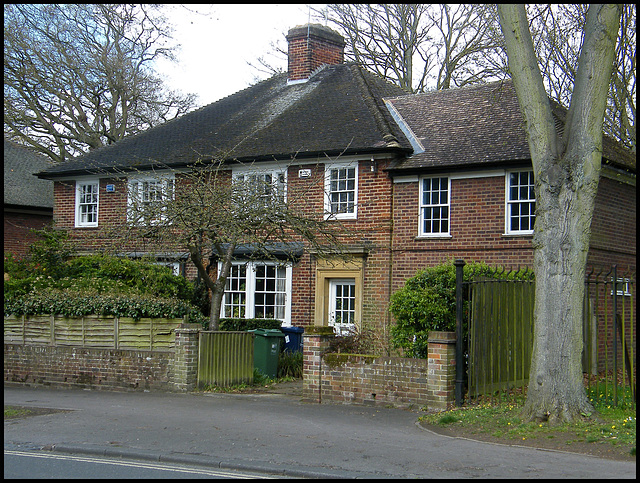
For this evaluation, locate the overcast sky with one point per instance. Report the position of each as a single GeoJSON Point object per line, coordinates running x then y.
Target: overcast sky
{"type": "Point", "coordinates": [217, 41]}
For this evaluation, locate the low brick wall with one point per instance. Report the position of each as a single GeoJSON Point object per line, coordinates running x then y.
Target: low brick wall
{"type": "Point", "coordinates": [380, 381]}
{"type": "Point", "coordinates": [88, 367]}
{"type": "Point", "coordinates": [112, 369]}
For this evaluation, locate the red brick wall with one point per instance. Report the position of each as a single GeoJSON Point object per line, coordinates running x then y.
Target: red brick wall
{"type": "Point", "coordinates": [613, 229]}
{"type": "Point", "coordinates": [17, 231]}
{"type": "Point", "coordinates": [477, 229]}
{"type": "Point", "coordinates": [86, 367]}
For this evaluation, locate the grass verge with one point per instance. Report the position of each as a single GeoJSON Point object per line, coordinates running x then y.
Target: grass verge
{"type": "Point", "coordinates": [613, 436]}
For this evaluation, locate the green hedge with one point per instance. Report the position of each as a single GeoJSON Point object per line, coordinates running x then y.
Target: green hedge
{"type": "Point", "coordinates": [76, 304]}
{"type": "Point", "coordinates": [232, 324]}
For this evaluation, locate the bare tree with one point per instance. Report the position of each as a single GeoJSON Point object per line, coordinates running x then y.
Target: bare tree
{"type": "Point", "coordinates": [80, 76]}
{"type": "Point", "coordinates": [558, 33]}
{"type": "Point", "coordinates": [421, 47]}
{"type": "Point", "coordinates": [566, 168]}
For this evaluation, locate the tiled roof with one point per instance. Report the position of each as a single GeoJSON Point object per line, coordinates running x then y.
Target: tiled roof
{"type": "Point", "coordinates": [477, 126]}
{"type": "Point", "coordinates": [339, 109]}
{"type": "Point", "coordinates": [21, 187]}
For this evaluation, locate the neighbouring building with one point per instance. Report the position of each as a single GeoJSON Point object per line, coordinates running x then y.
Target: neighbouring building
{"type": "Point", "coordinates": [28, 200]}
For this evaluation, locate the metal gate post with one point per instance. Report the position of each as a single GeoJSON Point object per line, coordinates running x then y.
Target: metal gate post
{"type": "Point", "coordinates": [459, 264]}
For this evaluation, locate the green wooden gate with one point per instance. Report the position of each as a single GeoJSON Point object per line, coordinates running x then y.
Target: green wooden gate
{"type": "Point", "coordinates": [500, 335]}
{"type": "Point", "coordinates": [225, 358]}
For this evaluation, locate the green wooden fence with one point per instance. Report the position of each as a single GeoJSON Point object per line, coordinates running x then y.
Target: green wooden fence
{"type": "Point", "coordinates": [500, 335]}
{"type": "Point", "coordinates": [225, 358]}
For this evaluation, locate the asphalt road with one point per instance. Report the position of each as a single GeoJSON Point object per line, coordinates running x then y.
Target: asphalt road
{"type": "Point", "coordinates": [275, 434]}
{"type": "Point", "coordinates": [38, 465]}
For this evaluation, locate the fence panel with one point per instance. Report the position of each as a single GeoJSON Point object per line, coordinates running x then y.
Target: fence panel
{"type": "Point", "coordinates": [94, 331]}
{"type": "Point", "coordinates": [225, 358]}
{"type": "Point", "coordinates": [500, 335]}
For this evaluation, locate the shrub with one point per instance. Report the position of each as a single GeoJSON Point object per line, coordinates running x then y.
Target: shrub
{"type": "Point", "coordinates": [48, 282]}
{"type": "Point", "coordinates": [148, 277]}
{"type": "Point", "coordinates": [359, 340]}
{"type": "Point", "coordinates": [231, 324]}
{"type": "Point", "coordinates": [290, 364]}
{"type": "Point", "coordinates": [427, 302]}
{"type": "Point", "coordinates": [87, 302]}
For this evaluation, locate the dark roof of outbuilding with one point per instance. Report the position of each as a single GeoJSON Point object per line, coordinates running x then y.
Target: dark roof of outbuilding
{"type": "Point", "coordinates": [338, 110]}
{"type": "Point", "coordinates": [477, 126]}
{"type": "Point", "coordinates": [21, 187]}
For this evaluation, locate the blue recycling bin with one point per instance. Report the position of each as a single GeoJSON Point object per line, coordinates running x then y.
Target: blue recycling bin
{"type": "Point", "coordinates": [292, 338]}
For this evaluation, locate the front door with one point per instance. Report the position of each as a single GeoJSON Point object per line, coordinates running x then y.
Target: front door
{"type": "Point", "coordinates": [342, 304]}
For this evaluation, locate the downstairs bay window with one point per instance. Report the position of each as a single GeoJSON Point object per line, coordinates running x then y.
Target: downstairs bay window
{"type": "Point", "coordinates": [258, 290]}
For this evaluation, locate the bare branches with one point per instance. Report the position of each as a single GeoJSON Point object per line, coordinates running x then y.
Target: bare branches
{"type": "Point", "coordinates": [420, 47]}
{"type": "Point", "coordinates": [78, 77]}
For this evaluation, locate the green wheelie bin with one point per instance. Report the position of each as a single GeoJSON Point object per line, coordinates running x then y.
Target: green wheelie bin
{"type": "Point", "coordinates": [266, 349]}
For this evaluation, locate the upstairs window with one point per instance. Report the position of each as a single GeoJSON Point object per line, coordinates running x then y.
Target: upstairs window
{"type": "Point", "coordinates": [434, 206]}
{"type": "Point", "coordinates": [266, 185]}
{"type": "Point", "coordinates": [87, 203]}
{"type": "Point", "coordinates": [341, 191]}
{"type": "Point", "coordinates": [521, 203]}
{"type": "Point", "coordinates": [148, 197]}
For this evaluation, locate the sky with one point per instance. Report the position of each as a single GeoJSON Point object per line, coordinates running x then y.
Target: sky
{"type": "Point", "coordinates": [217, 41]}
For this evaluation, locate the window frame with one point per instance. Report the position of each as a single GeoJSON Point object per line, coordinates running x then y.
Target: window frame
{"type": "Point", "coordinates": [250, 289]}
{"type": "Point", "coordinates": [279, 177]}
{"type": "Point", "coordinates": [328, 213]}
{"type": "Point", "coordinates": [78, 194]}
{"type": "Point", "coordinates": [423, 206]}
{"type": "Point", "coordinates": [509, 203]}
{"type": "Point", "coordinates": [139, 181]}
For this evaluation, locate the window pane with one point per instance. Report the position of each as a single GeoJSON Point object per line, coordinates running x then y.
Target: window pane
{"type": "Point", "coordinates": [521, 201]}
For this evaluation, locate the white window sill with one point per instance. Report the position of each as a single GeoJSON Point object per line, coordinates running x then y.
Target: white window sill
{"type": "Point", "coordinates": [434, 237]}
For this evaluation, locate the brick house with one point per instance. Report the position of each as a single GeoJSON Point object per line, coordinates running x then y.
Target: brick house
{"type": "Point", "coordinates": [467, 189]}
{"type": "Point", "coordinates": [363, 151]}
{"type": "Point", "coordinates": [28, 201]}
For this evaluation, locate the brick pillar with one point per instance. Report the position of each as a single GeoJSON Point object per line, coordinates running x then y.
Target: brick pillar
{"type": "Point", "coordinates": [314, 342]}
{"type": "Point", "coordinates": [185, 365]}
{"type": "Point", "coordinates": [441, 370]}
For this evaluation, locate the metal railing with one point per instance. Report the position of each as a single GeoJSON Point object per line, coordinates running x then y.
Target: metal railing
{"type": "Point", "coordinates": [497, 313]}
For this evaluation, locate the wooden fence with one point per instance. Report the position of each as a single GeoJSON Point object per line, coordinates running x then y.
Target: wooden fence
{"type": "Point", "coordinates": [91, 331]}
{"type": "Point", "coordinates": [500, 335]}
{"type": "Point", "coordinates": [225, 358]}
{"type": "Point", "coordinates": [499, 339]}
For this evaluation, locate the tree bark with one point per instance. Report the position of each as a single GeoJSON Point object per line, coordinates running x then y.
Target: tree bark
{"type": "Point", "coordinates": [566, 171]}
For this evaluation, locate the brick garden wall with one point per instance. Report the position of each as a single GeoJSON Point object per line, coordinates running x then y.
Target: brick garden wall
{"type": "Point", "coordinates": [380, 381]}
{"type": "Point", "coordinates": [111, 369]}
{"type": "Point", "coordinates": [91, 368]}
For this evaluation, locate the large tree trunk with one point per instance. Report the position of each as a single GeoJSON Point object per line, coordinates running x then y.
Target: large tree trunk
{"type": "Point", "coordinates": [561, 243]}
{"type": "Point", "coordinates": [566, 170]}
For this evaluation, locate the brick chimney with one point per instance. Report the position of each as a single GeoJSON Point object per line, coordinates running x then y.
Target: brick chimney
{"type": "Point", "coordinates": [311, 46]}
